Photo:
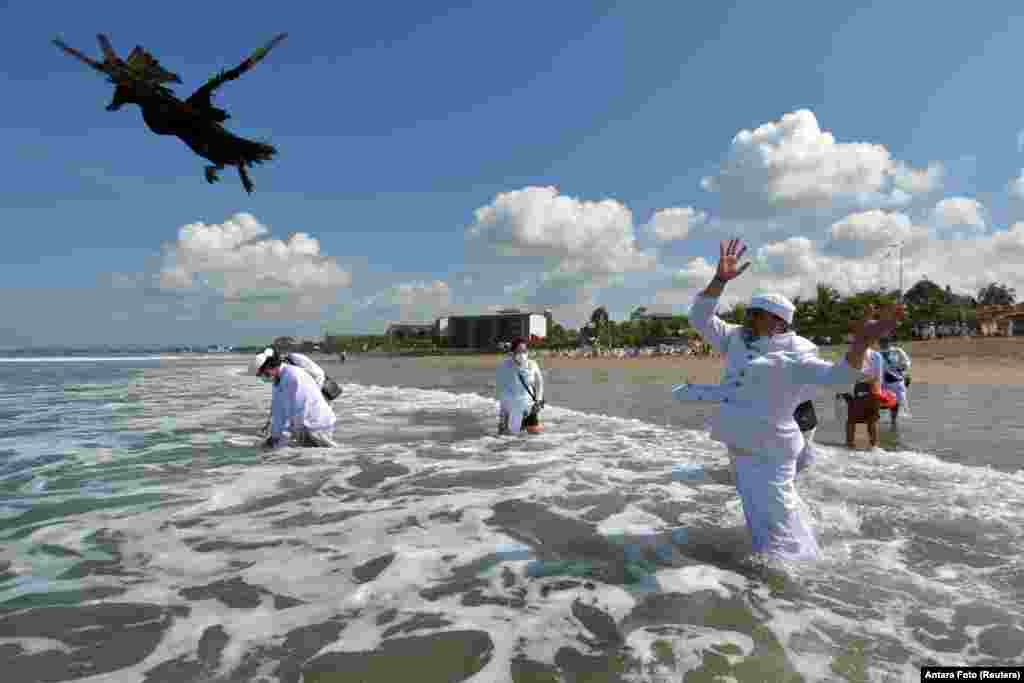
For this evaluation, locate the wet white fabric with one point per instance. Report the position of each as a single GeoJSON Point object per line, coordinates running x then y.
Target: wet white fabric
{"type": "Point", "coordinates": [808, 455]}
{"type": "Point", "coordinates": [512, 415]}
{"type": "Point", "coordinates": [513, 399]}
{"type": "Point", "coordinates": [715, 392]}
{"type": "Point", "coordinates": [298, 406]}
{"type": "Point", "coordinates": [764, 381]}
{"type": "Point", "coordinates": [775, 514]}
{"type": "Point", "coordinates": [306, 363]}
{"type": "Point", "coordinates": [762, 385]}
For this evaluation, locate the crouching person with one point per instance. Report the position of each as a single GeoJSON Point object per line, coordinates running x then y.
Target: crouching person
{"type": "Point", "coordinates": [298, 408]}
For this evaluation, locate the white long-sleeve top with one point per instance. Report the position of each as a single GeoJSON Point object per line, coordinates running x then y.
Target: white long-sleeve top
{"type": "Point", "coordinates": [298, 404]}
{"type": "Point", "coordinates": [508, 387]}
{"type": "Point", "coordinates": [306, 363]}
{"type": "Point", "coordinates": [762, 385]}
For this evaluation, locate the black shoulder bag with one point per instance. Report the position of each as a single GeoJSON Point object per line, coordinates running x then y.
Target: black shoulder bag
{"type": "Point", "coordinates": [331, 389]}
{"type": "Point", "coordinates": [533, 419]}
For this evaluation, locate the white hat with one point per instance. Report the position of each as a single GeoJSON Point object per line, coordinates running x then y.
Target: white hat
{"type": "Point", "coordinates": [256, 363]}
{"type": "Point", "coordinates": [776, 304]}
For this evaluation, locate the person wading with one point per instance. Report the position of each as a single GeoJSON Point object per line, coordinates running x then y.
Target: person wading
{"type": "Point", "coordinates": [770, 371]}
{"type": "Point", "coordinates": [520, 388]}
{"type": "Point", "coordinates": [896, 377]}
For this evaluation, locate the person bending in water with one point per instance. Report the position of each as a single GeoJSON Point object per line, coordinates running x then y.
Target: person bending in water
{"type": "Point", "coordinates": [770, 371]}
{"type": "Point", "coordinates": [298, 408]}
{"type": "Point", "coordinates": [519, 388]}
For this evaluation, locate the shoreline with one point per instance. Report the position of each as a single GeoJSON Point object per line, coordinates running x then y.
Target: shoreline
{"type": "Point", "coordinates": [986, 360]}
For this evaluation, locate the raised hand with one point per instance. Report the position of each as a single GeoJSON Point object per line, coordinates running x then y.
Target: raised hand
{"type": "Point", "coordinates": [877, 323]}
{"type": "Point", "coordinates": [728, 260]}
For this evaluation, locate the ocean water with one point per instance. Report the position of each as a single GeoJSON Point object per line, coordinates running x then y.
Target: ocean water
{"type": "Point", "coordinates": [145, 537]}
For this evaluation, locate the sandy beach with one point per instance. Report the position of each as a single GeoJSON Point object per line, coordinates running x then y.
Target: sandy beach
{"type": "Point", "coordinates": [977, 360]}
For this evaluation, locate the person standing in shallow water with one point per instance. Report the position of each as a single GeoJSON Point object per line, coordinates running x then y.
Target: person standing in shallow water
{"type": "Point", "coordinates": [516, 379]}
{"type": "Point", "coordinates": [770, 371]}
{"type": "Point", "coordinates": [896, 377]}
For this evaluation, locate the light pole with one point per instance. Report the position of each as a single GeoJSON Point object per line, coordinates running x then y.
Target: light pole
{"type": "Point", "coordinates": [899, 246]}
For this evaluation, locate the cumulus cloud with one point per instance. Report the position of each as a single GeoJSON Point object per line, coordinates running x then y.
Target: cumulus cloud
{"type": "Point", "coordinates": [236, 262]}
{"type": "Point", "coordinates": [959, 217]}
{"type": "Point", "coordinates": [566, 234]}
{"type": "Point", "coordinates": [411, 302]}
{"type": "Point", "coordinates": [675, 223]}
{"type": "Point", "coordinates": [1016, 187]}
{"type": "Point", "coordinates": [867, 233]}
{"type": "Point", "coordinates": [697, 273]}
{"type": "Point", "coordinates": [793, 165]}
{"type": "Point", "coordinates": [914, 181]}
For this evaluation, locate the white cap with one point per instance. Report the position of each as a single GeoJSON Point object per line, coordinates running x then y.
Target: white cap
{"type": "Point", "coordinates": [776, 304]}
{"type": "Point", "coordinates": [256, 363]}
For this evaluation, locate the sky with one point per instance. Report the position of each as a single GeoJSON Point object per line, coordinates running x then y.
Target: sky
{"type": "Point", "coordinates": [455, 158]}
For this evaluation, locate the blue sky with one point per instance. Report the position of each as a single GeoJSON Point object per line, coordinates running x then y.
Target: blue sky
{"type": "Point", "coordinates": [444, 158]}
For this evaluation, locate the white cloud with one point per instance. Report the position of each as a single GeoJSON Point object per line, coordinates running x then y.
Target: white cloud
{"type": "Point", "coordinates": [959, 216]}
{"type": "Point", "coordinates": [867, 233]}
{"type": "Point", "coordinates": [918, 181]}
{"type": "Point", "coordinates": [235, 262]}
{"type": "Point", "coordinates": [562, 233]}
{"type": "Point", "coordinates": [675, 223]}
{"type": "Point", "coordinates": [793, 165]}
{"type": "Point", "coordinates": [1016, 186]}
{"type": "Point", "coordinates": [410, 302]}
{"type": "Point", "coordinates": [697, 273]}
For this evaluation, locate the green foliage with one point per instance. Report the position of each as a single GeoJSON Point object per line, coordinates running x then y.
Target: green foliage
{"type": "Point", "coordinates": [996, 294]}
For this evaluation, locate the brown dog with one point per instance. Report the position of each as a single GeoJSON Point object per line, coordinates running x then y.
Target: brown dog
{"type": "Point", "coordinates": [862, 406]}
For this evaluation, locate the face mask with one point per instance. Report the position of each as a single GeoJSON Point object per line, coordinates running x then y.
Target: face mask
{"type": "Point", "coordinates": [521, 358]}
{"type": "Point", "coordinates": [266, 379]}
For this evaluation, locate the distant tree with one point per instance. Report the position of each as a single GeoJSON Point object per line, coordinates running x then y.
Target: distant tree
{"type": "Point", "coordinates": [996, 294]}
{"type": "Point", "coordinates": [599, 317]}
{"type": "Point", "coordinates": [924, 292]}
{"type": "Point", "coordinates": [639, 313]}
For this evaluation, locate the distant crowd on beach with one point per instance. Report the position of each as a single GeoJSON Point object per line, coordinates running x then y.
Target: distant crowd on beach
{"type": "Point", "coordinates": [695, 347]}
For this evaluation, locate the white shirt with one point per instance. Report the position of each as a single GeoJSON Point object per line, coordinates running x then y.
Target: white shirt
{"type": "Point", "coordinates": [509, 388]}
{"type": "Point", "coordinates": [307, 364]}
{"type": "Point", "coordinates": [762, 385]}
{"type": "Point", "coordinates": [298, 404]}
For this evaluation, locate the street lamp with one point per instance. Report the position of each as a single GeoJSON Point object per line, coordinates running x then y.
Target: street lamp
{"type": "Point", "coordinates": [899, 246]}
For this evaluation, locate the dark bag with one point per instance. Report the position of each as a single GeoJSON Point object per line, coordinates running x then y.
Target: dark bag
{"type": "Point", "coordinates": [861, 389]}
{"type": "Point", "coordinates": [805, 416]}
{"type": "Point", "coordinates": [533, 418]}
{"type": "Point", "coordinates": [331, 389]}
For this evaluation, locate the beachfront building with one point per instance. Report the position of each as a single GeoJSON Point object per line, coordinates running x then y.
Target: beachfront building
{"type": "Point", "coordinates": [488, 331]}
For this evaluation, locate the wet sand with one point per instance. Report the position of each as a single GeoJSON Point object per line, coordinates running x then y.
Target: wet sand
{"type": "Point", "coordinates": [991, 360]}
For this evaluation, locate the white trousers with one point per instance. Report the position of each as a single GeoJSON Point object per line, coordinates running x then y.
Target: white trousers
{"type": "Point", "coordinates": [514, 411]}
{"type": "Point", "coordinates": [318, 439]}
{"type": "Point", "coordinates": [775, 514]}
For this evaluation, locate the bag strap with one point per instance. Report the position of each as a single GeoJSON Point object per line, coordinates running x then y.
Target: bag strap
{"type": "Point", "coordinates": [526, 386]}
